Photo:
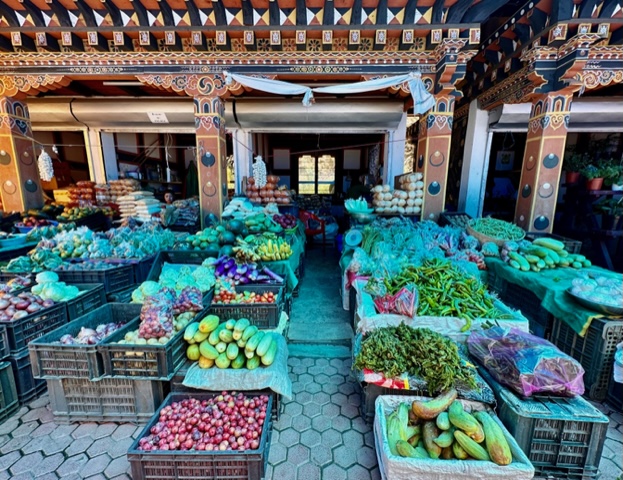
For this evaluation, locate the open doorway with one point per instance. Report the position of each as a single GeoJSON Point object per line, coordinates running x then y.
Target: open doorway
{"type": "Point", "coordinates": [328, 165]}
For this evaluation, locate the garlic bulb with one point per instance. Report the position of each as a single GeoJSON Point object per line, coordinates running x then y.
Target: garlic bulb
{"type": "Point", "coordinates": [259, 172]}
{"type": "Point", "coordinates": [44, 164]}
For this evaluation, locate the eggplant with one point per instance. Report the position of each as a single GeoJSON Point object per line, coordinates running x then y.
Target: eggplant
{"type": "Point", "coordinates": [273, 275]}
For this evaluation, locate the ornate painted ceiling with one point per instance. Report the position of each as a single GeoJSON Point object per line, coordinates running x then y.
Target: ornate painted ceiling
{"type": "Point", "coordinates": [238, 25]}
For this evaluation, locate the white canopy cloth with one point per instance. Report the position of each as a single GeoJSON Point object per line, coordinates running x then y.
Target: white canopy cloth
{"type": "Point", "coordinates": [422, 99]}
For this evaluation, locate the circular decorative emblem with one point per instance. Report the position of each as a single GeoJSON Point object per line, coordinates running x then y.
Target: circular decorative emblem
{"type": "Point", "coordinates": [30, 186]}
{"type": "Point", "coordinates": [209, 189]}
{"type": "Point", "coordinates": [434, 188]}
{"type": "Point", "coordinates": [526, 191]}
{"type": "Point", "coordinates": [541, 223]}
{"type": "Point", "coordinates": [550, 161]}
{"type": "Point", "coordinates": [437, 159]}
{"type": "Point", "coordinates": [208, 159]}
{"type": "Point", "coordinates": [26, 158]}
{"type": "Point", "coordinates": [530, 165]}
{"type": "Point", "coordinates": [9, 187]}
{"type": "Point", "coordinates": [546, 190]}
{"type": "Point", "coordinates": [5, 158]}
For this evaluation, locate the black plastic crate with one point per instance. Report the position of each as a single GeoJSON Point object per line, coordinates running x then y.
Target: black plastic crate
{"type": "Point", "coordinates": [106, 400]}
{"type": "Point", "coordinates": [352, 306]}
{"type": "Point", "coordinates": [595, 351]}
{"type": "Point", "coordinates": [140, 266]}
{"type": "Point", "coordinates": [562, 436]}
{"type": "Point", "coordinates": [615, 395]}
{"type": "Point", "coordinates": [123, 296]}
{"type": "Point", "coordinates": [114, 279]}
{"type": "Point", "coordinates": [23, 331]}
{"type": "Point", "coordinates": [455, 219]}
{"type": "Point", "coordinates": [175, 257]}
{"type": "Point", "coordinates": [4, 343]}
{"type": "Point", "coordinates": [94, 297]}
{"type": "Point", "coordinates": [199, 465]}
{"type": "Point", "coordinates": [148, 362]}
{"type": "Point", "coordinates": [519, 298]}
{"type": "Point", "coordinates": [28, 388]}
{"type": "Point", "coordinates": [571, 245]}
{"type": "Point", "coordinates": [370, 392]}
{"type": "Point", "coordinates": [177, 386]}
{"type": "Point", "coordinates": [262, 315]}
{"type": "Point", "coordinates": [9, 403]}
{"type": "Point", "coordinates": [52, 360]}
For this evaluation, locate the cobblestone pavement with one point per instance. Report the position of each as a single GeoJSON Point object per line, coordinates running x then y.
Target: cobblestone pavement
{"type": "Point", "coordinates": [320, 435]}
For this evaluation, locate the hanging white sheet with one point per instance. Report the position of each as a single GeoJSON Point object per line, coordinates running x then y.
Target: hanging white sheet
{"type": "Point", "coordinates": [422, 99]}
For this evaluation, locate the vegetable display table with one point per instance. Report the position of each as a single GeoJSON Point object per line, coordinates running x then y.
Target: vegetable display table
{"type": "Point", "coordinates": [550, 287]}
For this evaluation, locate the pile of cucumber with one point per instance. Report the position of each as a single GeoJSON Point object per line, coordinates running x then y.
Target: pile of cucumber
{"type": "Point", "coordinates": [545, 253]}
{"type": "Point", "coordinates": [231, 344]}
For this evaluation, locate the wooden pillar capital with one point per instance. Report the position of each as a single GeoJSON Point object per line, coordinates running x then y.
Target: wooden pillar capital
{"type": "Point", "coordinates": [20, 86]}
{"type": "Point", "coordinates": [193, 85]}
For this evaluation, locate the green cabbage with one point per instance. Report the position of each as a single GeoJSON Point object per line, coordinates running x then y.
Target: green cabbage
{"type": "Point", "coordinates": [45, 277]}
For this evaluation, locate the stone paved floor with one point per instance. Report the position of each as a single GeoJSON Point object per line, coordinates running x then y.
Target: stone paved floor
{"type": "Point", "coordinates": [320, 434]}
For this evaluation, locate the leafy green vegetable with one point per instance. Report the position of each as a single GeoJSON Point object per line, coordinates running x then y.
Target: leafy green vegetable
{"type": "Point", "coordinates": [393, 351]}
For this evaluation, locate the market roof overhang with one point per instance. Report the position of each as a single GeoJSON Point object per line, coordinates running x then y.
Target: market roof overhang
{"type": "Point", "coordinates": [238, 25]}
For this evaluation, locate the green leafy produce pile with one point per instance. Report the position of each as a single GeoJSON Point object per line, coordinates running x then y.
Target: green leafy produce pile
{"type": "Point", "coordinates": [498, 229]}
{"type": "Point", "coordinates": [421, 352]}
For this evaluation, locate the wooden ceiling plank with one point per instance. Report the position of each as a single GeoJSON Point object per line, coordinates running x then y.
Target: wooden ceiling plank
{"type": "Point", "coordinates": [437, 12]}
{"type": "Point", "coordinates": [141, 13]}
{"type": "Point", "coordinates": [329, 13]}
{"type": "Point", "coordinates": [219, 13]}
{"type": "Point", "coordinates": [355, 18]}
{"type": "Point", "coordinates": [61, 13]}
{"type": "Point", "coordinates": [114, 12]}
{"type": "Point", "coordinates": [608, 8]}
{"type": "Point", "coordinates": [456, 11]}
{"type": "Point", "coordinates": [410, 8]}
{"type": "Point", "coordinates": [483, 10]}
{"type": "Point", "coordinates": [193, 12]}
{"type": "Point", "coordinates": [273, 13]}
{"type": "Point", "coordinates": [167, 13]}
{"type": "Point", "coordinates": [301, 12]}
{"type": "Point", "coordinates": [247, 12]}
{"type": "Point", "coordinates": [381, 13]}
{"type": "Point", "coordinates": [34, 12]}
{"type": "Point", "coordinates": [5, 44]}
{"type": "Point", "coordinates": [587, 7]}
{"type": "Point", "coordinates": [87, 13]}
{"type": "Point", "coordinates": [9, 15]}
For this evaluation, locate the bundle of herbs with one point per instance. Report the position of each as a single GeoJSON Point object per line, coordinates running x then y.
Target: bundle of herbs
{"type": "Point", "coordinates": [419, 352]}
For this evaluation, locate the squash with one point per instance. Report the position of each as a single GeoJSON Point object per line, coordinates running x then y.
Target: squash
{"type": "Point", "coordinates": [254, 341]}
{"type": "Point", "coordinates": [232, 351]}
{"type": "Point", "coordinates": [239, 361]}
{"type": "Point", "coordinates": [269, 357]}
{"type": "Point", "coordinates": [208, 351]}
{"type": "Point", "coordinates": [222, 361]}
{"type": "Point", "coordinates": [264, 345]}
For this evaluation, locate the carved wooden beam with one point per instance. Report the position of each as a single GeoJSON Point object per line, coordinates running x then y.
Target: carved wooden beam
{"type": "Point", "coordinates": [19, 86]}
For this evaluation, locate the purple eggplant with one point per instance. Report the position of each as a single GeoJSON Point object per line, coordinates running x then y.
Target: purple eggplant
{"type": "Point", "coordinates": [276, 278]}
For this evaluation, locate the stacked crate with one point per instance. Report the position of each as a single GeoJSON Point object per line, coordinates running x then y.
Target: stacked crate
{"type": "Point", "coordinates": [80, 389]}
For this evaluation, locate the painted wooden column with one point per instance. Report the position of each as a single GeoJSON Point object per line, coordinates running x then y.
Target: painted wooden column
{"type": "Point", "coordinates": [211, 155]}
{"type": "Point", "coordinates": [20, 188]}
{"type": "Point", "coordinates": [542, 162]}
{"type": "Point", "coordinates": [433, 151]}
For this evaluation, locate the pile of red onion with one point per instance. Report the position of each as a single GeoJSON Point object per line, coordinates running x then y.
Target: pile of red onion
{"type": "Point", "coordinates": [88, 336]}
{"type": "Point", "coordinates": [14, 307]}
{"type": "Point", "coordinates": [225, 422]}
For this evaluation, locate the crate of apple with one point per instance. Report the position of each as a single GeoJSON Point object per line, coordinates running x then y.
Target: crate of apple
{"type": "Point", "coordinates": [226, 297]}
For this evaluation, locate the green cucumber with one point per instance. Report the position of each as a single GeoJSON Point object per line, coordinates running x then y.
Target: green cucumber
{"type": "Point", "coordinates": [264, 345]}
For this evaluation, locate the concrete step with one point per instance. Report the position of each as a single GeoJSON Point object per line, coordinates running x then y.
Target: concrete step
{"type": "Point", "coordinates": [323, 333]}
{"type": "Point", "coordinates": [318, 351]}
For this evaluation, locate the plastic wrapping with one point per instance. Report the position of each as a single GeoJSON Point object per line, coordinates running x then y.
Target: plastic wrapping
{"type": "Point", "coordinates": [526, 363]}
{"type": "Point", "coordinates": [156, 317]}
{"type": "Point", "coordinates": [404, 302]}
{"type": "Point", "coordinates": [393, 467]}
{"type": "Point", "coordinates": [189, 300]}
{"type": "Point", "coordinates": [274, 376]}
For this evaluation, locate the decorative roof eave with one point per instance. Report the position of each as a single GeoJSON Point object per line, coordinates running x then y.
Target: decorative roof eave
{"type": "Point", "coordinates": [517, 88]}
{"type": "Point", "coordinates": [141, 63]}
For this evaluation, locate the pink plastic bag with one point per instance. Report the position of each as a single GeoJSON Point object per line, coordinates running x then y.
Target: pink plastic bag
{"type": "Point", "coordinates": [402, 303]}
{"type": "Point", "coordinates": [526, 363]}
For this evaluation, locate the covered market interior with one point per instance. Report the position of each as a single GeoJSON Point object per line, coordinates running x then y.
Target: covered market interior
{"type": "Point", "coordinates": [311, 239]}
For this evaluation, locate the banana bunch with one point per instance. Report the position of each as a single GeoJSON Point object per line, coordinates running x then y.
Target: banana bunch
{"type": "Point", "coordinates": [245, 252]}
{"type": "Point", "coordinates": [272, 250]}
